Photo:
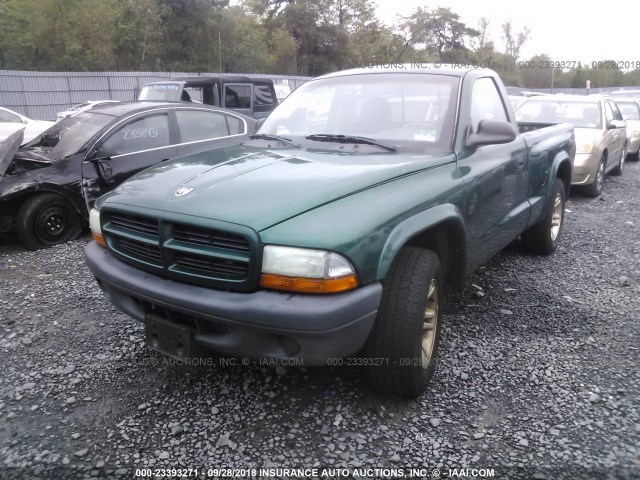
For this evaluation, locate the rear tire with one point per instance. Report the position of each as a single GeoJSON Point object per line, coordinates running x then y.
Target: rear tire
{"type": "Point", "coordinates": [47, 219]}
{"type": "Point", "coordinates": [543, 237]}
{"type": "Point", "coordinates": [405, 337]}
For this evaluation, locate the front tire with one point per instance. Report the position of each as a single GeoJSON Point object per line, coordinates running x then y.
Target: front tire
{"type": "Point", "coordinates": [595, 189]}
{"type": "Point", "coordinates": [617, 171]}
{"type": "Point", "coordinates": [543, 237]}
{"type": "Point", "coordinates": [406, 333]}
{"type": "Point", "coordinates": [46, 220]}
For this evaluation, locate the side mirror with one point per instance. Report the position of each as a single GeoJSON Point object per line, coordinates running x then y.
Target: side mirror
{"type": "Point", "coordinates": [492, 132]}
{"type": "Point", "coordinates": [617, 124]}
{"type": "Point", "coordinates": [104, 169]}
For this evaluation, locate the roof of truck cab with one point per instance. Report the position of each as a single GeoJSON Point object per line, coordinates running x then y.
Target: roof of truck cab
{"type": "Point", "coordinates": [205, 81]}
{"type": "Point", "coordinates": [455, 70]}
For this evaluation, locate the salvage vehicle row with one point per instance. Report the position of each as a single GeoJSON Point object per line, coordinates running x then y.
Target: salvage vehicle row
{"type": "Point", "coordinates": [48, 185]}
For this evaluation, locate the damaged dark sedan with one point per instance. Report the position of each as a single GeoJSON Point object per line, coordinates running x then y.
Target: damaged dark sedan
{"type": "Point", "coordinates": [48, 186]}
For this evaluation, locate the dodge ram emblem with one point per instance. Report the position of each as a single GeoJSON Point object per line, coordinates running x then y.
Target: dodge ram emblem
{"type": "Point", "coordinates": [183, 191]}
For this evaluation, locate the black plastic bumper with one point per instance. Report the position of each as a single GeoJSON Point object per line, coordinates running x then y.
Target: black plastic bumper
{"type": "Point", "coordinates": [263, 324]}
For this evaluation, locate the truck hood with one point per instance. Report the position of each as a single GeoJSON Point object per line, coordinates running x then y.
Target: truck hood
{"type": "Point", "coordinates": [260, 188]}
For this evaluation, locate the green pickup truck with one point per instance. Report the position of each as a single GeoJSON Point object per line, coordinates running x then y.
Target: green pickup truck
{"type": "Point", "coordinates": [337, 229]}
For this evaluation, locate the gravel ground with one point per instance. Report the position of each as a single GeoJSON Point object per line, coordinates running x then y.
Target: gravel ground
{"type": "Point", "coordinates": [538, 376]}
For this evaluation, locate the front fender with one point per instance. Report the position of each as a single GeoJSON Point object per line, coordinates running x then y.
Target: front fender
{"type": "Point", "coordinates": [417, 229]}
{"type": "Point", "coordinates": [13, 191]}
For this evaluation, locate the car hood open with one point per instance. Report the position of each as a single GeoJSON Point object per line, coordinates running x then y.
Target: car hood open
{"type": "Point", "coordinates": [8, 149]}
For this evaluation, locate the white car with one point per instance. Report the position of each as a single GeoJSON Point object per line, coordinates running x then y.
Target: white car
{"type": "Point", "coordinates": [81, 108]}
{"type": "Point", "coordinates": [630, 109]}
{"type": "Point", "coordinates": [11, 122]}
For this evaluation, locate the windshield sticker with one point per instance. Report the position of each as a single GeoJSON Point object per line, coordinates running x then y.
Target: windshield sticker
{"type": "Point", "coordinates": [133, 133]}
{"type": "Point", "coordinates": [425, 135]}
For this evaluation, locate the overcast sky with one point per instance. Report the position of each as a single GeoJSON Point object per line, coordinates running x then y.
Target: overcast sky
{"type": "Point", "coordinates": [564, 29]}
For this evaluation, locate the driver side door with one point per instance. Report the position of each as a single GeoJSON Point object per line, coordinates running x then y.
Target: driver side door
{"type": "Point", "coordinates": [125, 150]}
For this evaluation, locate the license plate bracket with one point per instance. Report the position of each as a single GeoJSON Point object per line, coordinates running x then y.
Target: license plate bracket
{"type": "Point", "coordinates": [171, 338]}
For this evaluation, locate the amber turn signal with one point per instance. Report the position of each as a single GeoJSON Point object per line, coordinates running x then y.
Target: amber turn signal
{"type": "Point", "coordinates": [308, 285]}
{"type": "Point", "coordinates": [99, 239]}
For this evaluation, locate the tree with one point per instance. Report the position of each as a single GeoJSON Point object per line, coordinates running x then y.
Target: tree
{"type": "Point", "coordinates": [534, 77]}
{"type": "Point", "coordinates": [514, 40]}
{"type": "Point", "coordinates": [438, 32]}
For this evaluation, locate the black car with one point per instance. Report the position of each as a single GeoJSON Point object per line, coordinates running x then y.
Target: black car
{"type": "Point", "coordinates": [48, 186]}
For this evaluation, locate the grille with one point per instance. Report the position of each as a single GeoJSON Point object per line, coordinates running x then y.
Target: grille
{"type": "Point", "coordinates": [210, 238]}
{"type": "Point", "coordinates": [147, 226]}
{"type": "Point", "coordinates": [211, 257]}
{"type": "Point", "coordinates": [141, 250]}
{"type": "Point", "coordinates": [214, 266]}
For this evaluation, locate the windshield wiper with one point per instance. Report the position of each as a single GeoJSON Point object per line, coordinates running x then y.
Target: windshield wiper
{"type": "Point", "coordinates": [277, 138]}
{"type": "Point", "coordinates": [328, 137]}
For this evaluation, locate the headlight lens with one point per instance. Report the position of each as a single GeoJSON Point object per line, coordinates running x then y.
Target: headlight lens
{"type": "Point", "coordinates": [306, 270]}
{"type": "Point", "coordinates": [94, 223]}
{"type": "Point", "coordinates": [586, 148]}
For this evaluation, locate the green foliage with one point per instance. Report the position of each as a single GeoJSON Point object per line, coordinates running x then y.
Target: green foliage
{"type": "Point", "coordinates": [303, 37]}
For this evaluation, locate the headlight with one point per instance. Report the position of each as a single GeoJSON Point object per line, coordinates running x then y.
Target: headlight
{"type": "Point", "coordinates": [586, 148]}
{"type": "Point", "coordinates": [94, 223]}
{"type": "Point", "coordinates": [306, 270]}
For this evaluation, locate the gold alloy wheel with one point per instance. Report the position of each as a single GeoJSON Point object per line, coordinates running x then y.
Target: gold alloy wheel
{"type": "Point", "coordinates": [556, 219]}
{"type": "Point", "coordinates": [600, 175]}
{"type": "Point", "coordinates": [430, 324]}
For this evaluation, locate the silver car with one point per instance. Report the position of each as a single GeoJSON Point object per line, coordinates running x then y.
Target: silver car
{"type": "Point", "coordinates": [601, 134]}
{"type": "Point", "coordinates": [630, 109]}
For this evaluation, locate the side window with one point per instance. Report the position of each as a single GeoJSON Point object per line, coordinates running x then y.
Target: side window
{"type": "Point", "coordinates": [142, 134]}
{"type": "Point", "coordinates": [608, 112]}
{"type": "Point", "coordinates": [263, 99]}
{"type": "Point", "coordinates": [9, 117]}
{"type": "Point", "coordinates": [236, 126]}
{"type": "Point", "coordinates": [237, 96]}
{"type": "Point", "coordinates": [616, 111]}
{"type": "Point", "coordinates": [197, 125]}
{"type": "Point", "coordinates": [486, 103]}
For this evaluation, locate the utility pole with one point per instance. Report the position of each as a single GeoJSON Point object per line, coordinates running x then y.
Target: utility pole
{"type": "Point", "coordinates": [220, 50]}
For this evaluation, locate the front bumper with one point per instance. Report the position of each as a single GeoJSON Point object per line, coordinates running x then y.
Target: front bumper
{"type": "Point", "coordinates": [585, 167]}
{"type": "Point", "coordinates": [258, 325]}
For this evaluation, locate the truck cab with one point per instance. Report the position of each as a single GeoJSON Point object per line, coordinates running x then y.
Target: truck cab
{"type": "Point", "coordinates": [252, 97]}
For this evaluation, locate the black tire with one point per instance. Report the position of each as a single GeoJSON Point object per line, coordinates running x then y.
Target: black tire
{"type": "Point", "coordinates": [397, 335]}
{"type": "Point", "coordinates": [595, 189]}
{"type": "Point", "coordinates": [617, 171]}
{"type": "Point", "coordinates": [633, 157]}
{"type": "Point", "coordinates": [47, 219]}
{"type": "Point", "coordinates": [543, 237]}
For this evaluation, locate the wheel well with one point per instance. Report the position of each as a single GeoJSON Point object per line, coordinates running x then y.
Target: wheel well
{"type": "Point", "coordinates": [564, 174]}
{"type": "Point", "coordinates": [12, 206]}
{"type": "Point", "coordinates": [447, 240]}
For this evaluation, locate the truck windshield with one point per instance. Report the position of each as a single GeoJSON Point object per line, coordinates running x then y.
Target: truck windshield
{"type": "Point", "coordinates": [67, 136]}
{"type": "Point", "coordinates": [411, 112]}
{"type": "Point", "coordinates": [168, 92]}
